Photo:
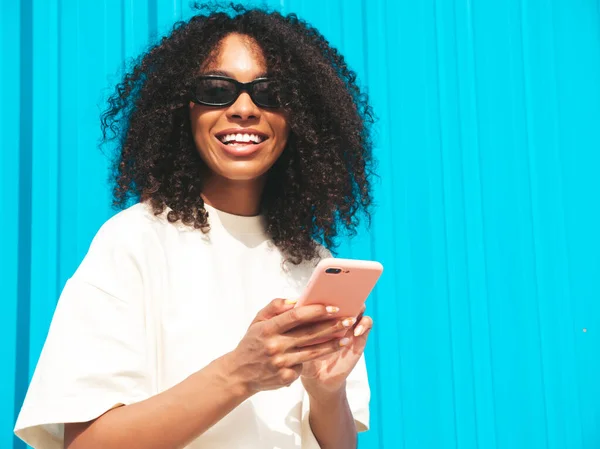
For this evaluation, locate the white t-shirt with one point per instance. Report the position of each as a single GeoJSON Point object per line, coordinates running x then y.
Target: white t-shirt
{"type": "Point", "coordinates": [152, 303]}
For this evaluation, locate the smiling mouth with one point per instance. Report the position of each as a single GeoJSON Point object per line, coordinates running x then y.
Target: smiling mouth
{"type": "Point", "coordinates": [241, 139]}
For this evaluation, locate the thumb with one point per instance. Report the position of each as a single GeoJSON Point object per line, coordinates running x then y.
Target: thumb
{"type": "Point", "coordinates": [274, 308]}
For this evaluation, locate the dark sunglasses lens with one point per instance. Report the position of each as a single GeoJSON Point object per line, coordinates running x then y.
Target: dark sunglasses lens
{"type": "Point", "coordinates": [215, 91]}
{"type": "Point", "coordinates": [264, 93]}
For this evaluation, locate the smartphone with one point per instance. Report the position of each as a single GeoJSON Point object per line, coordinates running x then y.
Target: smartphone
{"type": "Point", "coordinates": [344, 283]}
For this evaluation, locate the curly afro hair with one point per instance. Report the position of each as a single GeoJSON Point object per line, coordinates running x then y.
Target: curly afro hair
{"type": "Point", "coordinates": [321, 182]}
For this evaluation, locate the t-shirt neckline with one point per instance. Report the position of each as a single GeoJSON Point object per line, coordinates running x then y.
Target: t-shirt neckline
{"type": "Point", "coordinates": [235, 224]}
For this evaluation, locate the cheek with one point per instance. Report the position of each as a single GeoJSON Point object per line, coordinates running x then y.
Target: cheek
{"type": "Point", "coordinates": [280, 127]}
{"type": "Point", "coordinates": [202, 120]}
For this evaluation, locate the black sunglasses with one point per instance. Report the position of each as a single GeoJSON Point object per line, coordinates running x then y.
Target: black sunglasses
{"type": "Point", "coordinates": [221, 91]}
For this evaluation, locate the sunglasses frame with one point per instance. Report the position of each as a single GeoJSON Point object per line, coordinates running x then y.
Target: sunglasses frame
{"type": "Point", "coordinates": [240, 87]}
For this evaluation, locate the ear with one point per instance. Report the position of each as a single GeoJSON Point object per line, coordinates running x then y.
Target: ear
{"type": "Point", "coordinates": [192, 104]}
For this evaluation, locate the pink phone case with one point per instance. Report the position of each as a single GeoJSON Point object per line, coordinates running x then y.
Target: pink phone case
{"type": "Point", "coordinates": [344, 283]}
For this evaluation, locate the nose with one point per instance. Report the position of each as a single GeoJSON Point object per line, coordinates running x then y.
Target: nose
{"type": "Point", "coordinates": [243, 108]}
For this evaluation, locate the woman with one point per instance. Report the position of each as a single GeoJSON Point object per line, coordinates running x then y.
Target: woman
{"type": "Point", "coordinates": [245, 140]}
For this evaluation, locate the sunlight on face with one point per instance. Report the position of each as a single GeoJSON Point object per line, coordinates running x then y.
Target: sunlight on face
{"type": "Point", "coordinates": [263, 131]}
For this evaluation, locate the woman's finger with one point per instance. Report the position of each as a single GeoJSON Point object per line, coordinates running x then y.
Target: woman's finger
{"type": "Point", "coordinates": [316, 332]}
{"type": "Point", "coordinates": [363, 326]}
{"type": "Point", "coordinates": [309, 353]}
{"type": "Point", "coordinates": [274, 308]}
{"type": "Point", "coordinates": [361, 314]}
{"type": "Point", "coordinates": [298, 316]}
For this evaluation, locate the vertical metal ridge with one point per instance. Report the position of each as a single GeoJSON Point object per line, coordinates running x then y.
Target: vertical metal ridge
{"type": "Point", "coordinates": [378, 377]}
{"type": "Point", "coordinates": [464, 218]}
{"type": "Point", "coordinates": [394, 215]}
{"type": "Point", "coordinates": [9, 195]}
{"type": "Point", "coordinates": [59, 144]}
{"type": "Point", "coordinates": [43, 174]}
{"type": "Point", "coordinates": [75, 155]}
{"type": "Point", "coordinates": [341, 18]}
{"type": "Point", "coordinates": [68, 91]}
{"type": "Point", "coordinates": [444, 224]}
{"type": "Point", "coordinates": [561, 205]}
{"type": "Point", "coordinates": [123, 38]}
{"type": "Point", "coordinates": [152, 20]}
{"type": "Point", "coordinates": [177, 9]}
{"type": "Point", "coordinates": [470, 31]}
{"type": "Point", "coordinates": [471, 56]}
{"type": "Point", "coordinates": [21, 380]}
{"type": "Point", "coordinates": [528, 144]}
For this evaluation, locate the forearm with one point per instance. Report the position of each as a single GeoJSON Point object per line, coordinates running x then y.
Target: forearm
{"type": "Point", "coordinates": [169, 420]}
{"type": "Point", "coordinates": [331, 421]}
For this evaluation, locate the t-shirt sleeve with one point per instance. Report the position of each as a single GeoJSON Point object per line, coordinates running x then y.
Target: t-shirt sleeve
{"type": "Point", "coordinates": [359, 395]}
{"type": "Point", "coordinates": [94, 357]}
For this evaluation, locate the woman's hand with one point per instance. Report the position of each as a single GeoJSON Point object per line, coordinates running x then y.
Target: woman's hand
{"type": "Point", "coordinates": [280, 340]}
{"type": "Point", "coordinates": [326, 375]}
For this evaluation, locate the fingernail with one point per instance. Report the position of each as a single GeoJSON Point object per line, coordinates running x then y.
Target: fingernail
{"type": "Point", "coordinates": [359, 330]}
{"type": "Point", "coordinates": [344, 341]}
{"type": "Point", "coordinates": [290, 301]}
{"type": "Point", "coordinates": [332, 309]}
{"type": "Point", "coordinates": [348, 322]}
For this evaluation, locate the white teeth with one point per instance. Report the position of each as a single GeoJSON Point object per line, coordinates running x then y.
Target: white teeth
{"type": "Point", "coordinates": [241, 138]}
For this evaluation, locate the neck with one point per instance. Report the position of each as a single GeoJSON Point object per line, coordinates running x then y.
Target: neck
{"type": "Point", "coordinates": [234, 197]}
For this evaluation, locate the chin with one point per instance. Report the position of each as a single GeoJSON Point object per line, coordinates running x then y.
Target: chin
{"type": "Point", "coordinates": [242, 171]}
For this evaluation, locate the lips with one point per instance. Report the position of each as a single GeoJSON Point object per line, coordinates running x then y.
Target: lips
{"type": "Point", "coordinates": [240, 142]}
{"type": "Point", "coordinates": [240, 149]}
{"type": "Point", "coordinates": [241, 136]}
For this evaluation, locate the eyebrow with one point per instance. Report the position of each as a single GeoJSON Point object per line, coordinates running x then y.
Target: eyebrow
{"type": "Point", "coordinates": [230, 75]}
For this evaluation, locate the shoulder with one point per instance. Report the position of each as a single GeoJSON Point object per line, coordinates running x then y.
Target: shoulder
{"type": "Point", "coordinates": [138, 217]}
{"type": "Point", "coordinates": [126, 250]}
{"type": "Point", "coordinates": [131, 235]}
{"type": "Point", "coordinates": [136, 225]}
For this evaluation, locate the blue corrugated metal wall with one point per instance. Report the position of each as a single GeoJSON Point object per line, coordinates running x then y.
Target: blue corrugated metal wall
{"type": "Point", "coordinates": [488, 316]}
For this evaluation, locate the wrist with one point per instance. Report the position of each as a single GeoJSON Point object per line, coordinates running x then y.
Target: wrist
{"type": "Point", "coordinates": [228, 374]}
{"type": "Point", "coordinates": [323, 397]}
{"type": "Point", "coordinates": [331, 410]}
